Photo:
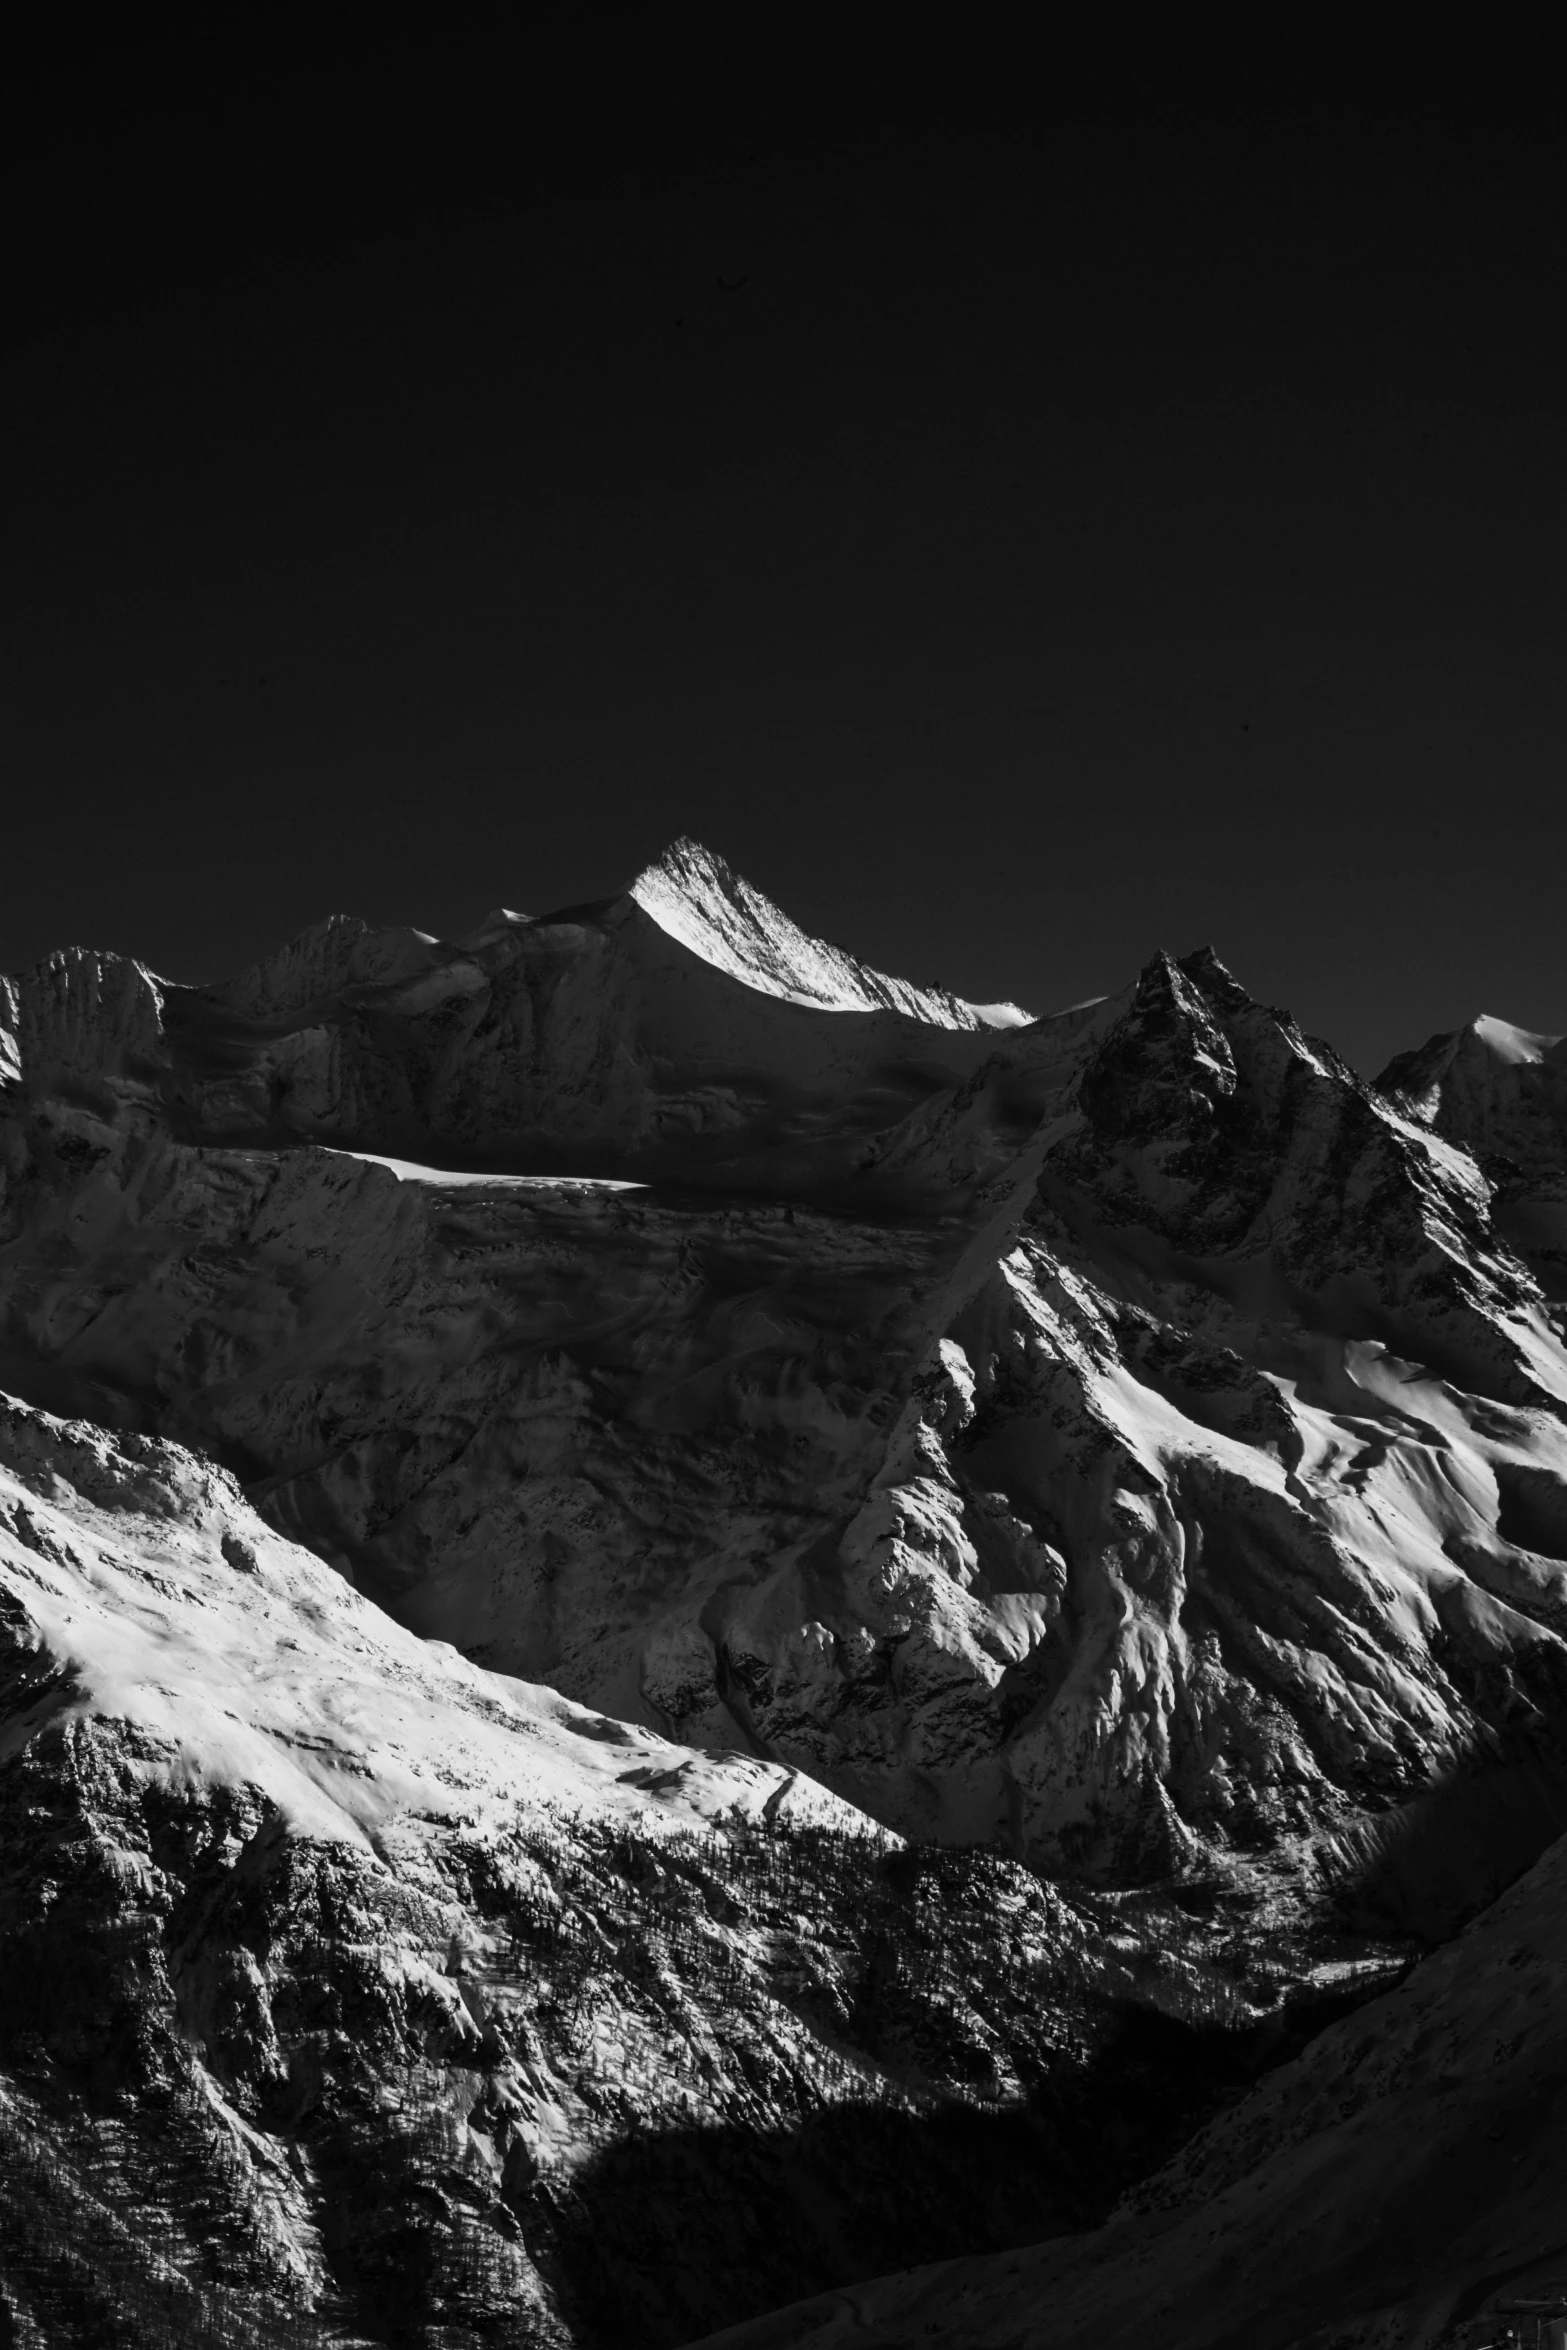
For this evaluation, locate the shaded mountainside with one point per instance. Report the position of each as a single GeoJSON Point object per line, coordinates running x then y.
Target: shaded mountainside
{"type": "Point", "coordinates": [1125, 1436]}
{"type": "Point", "coordinates": [1397, 2183]}
{"type": "Point", "coordinates": [351, 1993]}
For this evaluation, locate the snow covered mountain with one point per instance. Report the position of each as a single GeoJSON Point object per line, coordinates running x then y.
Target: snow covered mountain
{"type": "Point", "coordinates": [1126, 1435]}
{"type": "Point", "coordinates": [680, 1423]}
{"type": "Point", "coordinates": [682, 1029]}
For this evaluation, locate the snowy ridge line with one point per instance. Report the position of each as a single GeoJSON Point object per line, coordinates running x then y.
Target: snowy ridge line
{"type": "Point", "coordinates": [698, 900]}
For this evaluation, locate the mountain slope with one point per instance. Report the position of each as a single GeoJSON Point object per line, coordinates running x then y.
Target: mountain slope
{"type": "Point", "coordinates": [1399, 2179]}
{"type": "Point", "coordinates": [348, 1991]}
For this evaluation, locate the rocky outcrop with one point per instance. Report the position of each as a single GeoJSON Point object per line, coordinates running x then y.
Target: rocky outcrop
{"type": "Point", "coordinates": [1127, 1436]}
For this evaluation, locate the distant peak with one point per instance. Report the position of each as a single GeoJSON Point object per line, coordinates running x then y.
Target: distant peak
{"type": "Point", "coordinates": [695, 897]}
{"type": "Point", "coordinates": [497, 922]}
{"type": "Point", "coordinates": [340, 950]}
{"type": "Point", "coordinates": [1506, 1042]}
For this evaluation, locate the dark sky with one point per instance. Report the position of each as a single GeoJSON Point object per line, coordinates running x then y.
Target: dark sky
{"type": "Point", "coordinates": [1014, 544]}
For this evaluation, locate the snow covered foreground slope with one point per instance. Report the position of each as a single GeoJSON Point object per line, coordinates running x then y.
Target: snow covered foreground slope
{"type": "Point", "coordinates": [351, 1993]}
{"type": "Point", "coordinates": [1126, 1436]}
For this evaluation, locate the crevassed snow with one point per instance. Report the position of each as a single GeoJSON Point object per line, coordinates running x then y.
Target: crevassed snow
{"type": "Point", "coordinates": [715, 913]}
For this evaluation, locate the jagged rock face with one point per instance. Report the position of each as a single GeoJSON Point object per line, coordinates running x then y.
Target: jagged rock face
{"type": "Point", "coordinates": [1291, 1409]}
{"type": "Point", "coordinates": [1125, 1435]}
{"type": "Point", "coordinates": [349, 1992]}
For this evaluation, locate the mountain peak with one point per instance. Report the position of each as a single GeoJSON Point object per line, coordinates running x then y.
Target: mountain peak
{"type": "Point", "coordinates": [1505, 1041]}
{"type": "Point", "coordinates": [698, 899]}
{"type": "Point", "coordinates": [1463, 1058]}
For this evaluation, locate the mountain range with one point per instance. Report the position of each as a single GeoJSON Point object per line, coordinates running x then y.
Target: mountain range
{"type": "Point", "coordinates": [683, 1622]}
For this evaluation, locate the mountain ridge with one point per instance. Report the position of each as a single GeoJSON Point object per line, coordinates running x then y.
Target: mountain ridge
{"type": "Point", "coordinates": [1121, 1454]}
{"type": "Point", "coordinates": [844, 1435]}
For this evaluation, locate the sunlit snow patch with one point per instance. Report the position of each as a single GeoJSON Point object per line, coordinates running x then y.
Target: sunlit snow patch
{"type": "Point", "coordinates": [410, 1171]}
{"type": "Point", "coordinates": [1507, 1042]}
